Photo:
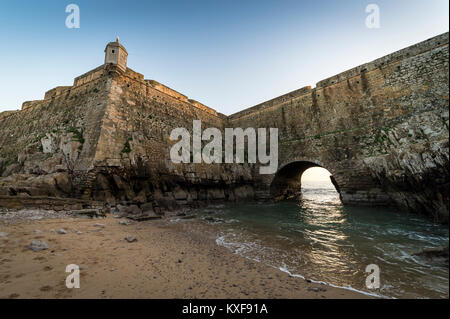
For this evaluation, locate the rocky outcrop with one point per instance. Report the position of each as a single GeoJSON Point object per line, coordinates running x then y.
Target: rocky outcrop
{"type": "Point", "coordinates": [53, 184]}
{"type": "Point", "coordinates": [413, 167]}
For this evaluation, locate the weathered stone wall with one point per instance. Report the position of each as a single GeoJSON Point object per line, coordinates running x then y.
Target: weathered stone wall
{"type": "Point", "coordinates": [52, 139]}
{"type": "Point", "coordinates": [133, 154]}
{"type": "Point", "coordinates": [381, 129]}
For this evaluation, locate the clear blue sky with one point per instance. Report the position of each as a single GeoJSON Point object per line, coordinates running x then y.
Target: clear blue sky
{"type": "Point", "coordinates": [226, 54]}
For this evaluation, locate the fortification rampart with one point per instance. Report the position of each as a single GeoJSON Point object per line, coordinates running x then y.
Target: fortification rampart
{"type": "Point", "coordinates": [383, 62]}
{"type": "Point", "coordinates": [381, 129]}
{"type": "Point", "coordinates": [367, 124]}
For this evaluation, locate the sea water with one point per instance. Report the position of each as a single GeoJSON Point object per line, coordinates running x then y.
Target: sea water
{"type": "Point", "coordinates": [319, 239]}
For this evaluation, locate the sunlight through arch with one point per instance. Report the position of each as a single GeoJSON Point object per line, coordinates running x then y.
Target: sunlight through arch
{"type": "Point", "coordinates": [287, 183]}
{"type": "Point", "coordinates": [316, 174]}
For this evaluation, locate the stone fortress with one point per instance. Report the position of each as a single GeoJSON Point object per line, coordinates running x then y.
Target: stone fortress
{"type": "Point", "coordinates": [381, 129]}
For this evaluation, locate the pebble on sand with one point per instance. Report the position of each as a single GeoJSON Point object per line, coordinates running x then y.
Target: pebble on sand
{"type": "Point", "coordinates": [62, 231]}
{"type": "Point", "coordinates": [317, 289]}
{"type": "Point", "coordinates": [130, 238]}
{"type": "Point", "coordinates": [38, 245]}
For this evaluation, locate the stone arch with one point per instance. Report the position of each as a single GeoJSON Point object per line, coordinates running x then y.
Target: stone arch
{"type": "Point", "coordinates": [286, 183]}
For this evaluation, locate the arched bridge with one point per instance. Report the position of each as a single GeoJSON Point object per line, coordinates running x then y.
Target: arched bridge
{"type": "Point", "coordinates": [381, 129]}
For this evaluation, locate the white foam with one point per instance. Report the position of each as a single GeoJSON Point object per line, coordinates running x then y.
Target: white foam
{"type": "Point", "coordinates": [283, 269]}
{"type": "Point", "coordinates": [240, 247]}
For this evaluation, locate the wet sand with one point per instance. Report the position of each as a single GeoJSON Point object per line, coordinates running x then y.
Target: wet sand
{"type": "Point", "coordinates": [167, 261]}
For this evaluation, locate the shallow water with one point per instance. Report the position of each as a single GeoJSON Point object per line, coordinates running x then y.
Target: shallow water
{"type": "Point", "coordinates": [320, 239]}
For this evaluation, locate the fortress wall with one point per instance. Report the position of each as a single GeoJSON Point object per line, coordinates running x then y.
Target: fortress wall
{"type": "Point", "coordinates": [82, 84]}
{"type": "Point", "coordinates": [381, 129]}
{"type": "Point", "coordinates": [150, 112]}
{"type": "Point", "coordinates": [440, 41]}
{"type": "Point", "coordinates": [135, 138]}
{"type": "Point", "coordinates": [134, 75]}
{"type": "Point", "coordinates": [162, 88]}
{"type": "Point", "coordinates": [52, 119]}
{"type": "Point", "coordinates": [89, 76]}
{"type": "Point", "coordinates": [56, 91]}
{"type": "Point", "coordinates": [7, 113]}
{"type": "Point", "coordinates": [367, 126]}
{"type": "Point", "coordinates": [28, 104]}
{"type": "Point", "coordinates": [172, 93]}
{"type": "Point", "coordinates": [205, 108]}
{"type": "Point", "coordinates": [369, 100]}
{"type": "Point", "coordinates": [271, 103]}
{"type": "Point", "coordinates": [411, 51]}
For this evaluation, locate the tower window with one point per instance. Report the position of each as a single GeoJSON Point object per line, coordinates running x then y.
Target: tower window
{"type": "Point", "coordinates": [113, 51]}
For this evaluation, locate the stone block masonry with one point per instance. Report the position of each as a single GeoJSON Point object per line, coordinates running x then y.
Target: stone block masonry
{"type": "Point", "coordinates": [381, 129]}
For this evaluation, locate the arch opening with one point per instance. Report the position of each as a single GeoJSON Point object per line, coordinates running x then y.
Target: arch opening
{"type": "Point", "coordinates": [316, 174]}
{"type": "Point", "coordinates": [287, 183]}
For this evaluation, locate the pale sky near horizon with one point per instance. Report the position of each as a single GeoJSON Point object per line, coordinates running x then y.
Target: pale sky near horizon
{"type": "Point", "coordinates": [229, 55]}
{"type": "Point", "coordinates": [316, 174]}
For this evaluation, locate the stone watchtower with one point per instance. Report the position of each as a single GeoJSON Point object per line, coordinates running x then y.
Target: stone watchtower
{"type": "Point", "coordinates": [116, 53]}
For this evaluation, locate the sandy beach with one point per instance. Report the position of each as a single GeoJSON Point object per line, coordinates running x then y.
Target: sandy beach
{"type": "Point", "coordinates": [167, 261]}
